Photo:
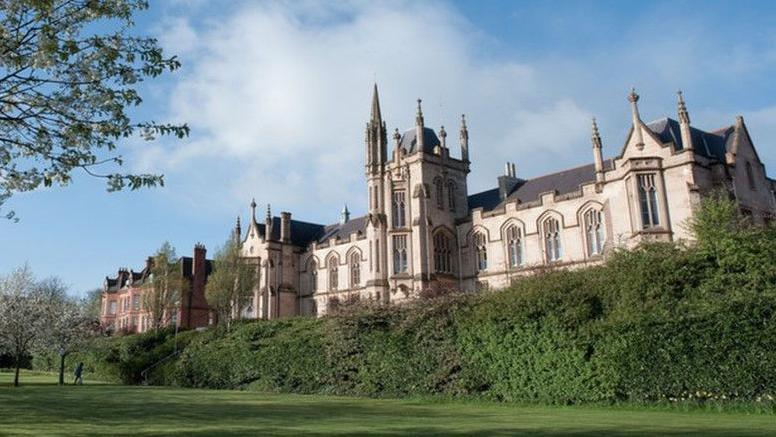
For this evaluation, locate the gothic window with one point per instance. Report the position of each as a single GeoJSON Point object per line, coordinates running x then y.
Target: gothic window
{"type": "Point", "coordinates": [136, 302]}
{"type": "Point", "coordinates": [355, 270]}
{"type": "Point", "coordinates": [443, 259]}
{"type": "Point", "coordinates": [399, 210]}
{"type": "Point", "coordinates": [750, 175]}
{"type": "Point", "coordinates": [440, 195]}
{"type": "Point", "coordinates": [551, 230]}
{"type": "Point", "coordinates": [594, 231]}
{"type": "Point", "coordinates": [313, 276]}
{"type": "Point", "coordinates": [399, 254]}
{"type": "Point", "coordinates": [648, 200]}
{"type": "Point", "coordinates": [514, 240]}
{"type": "Point", "coordinates": [333, 273]}
{"type": "Point", "coordinates": [481, 250]}
{"type": "Point", "coordinates": [112, 307]}
{"type": "Point", "coordinates": [451, 195]}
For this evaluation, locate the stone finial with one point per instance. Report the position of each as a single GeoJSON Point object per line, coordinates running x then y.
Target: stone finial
{"type": "Point", "coordinates": [684, 116]}
{"type": "Point", "coordinates": [632, 96]}
{"type": "Point", "coordinates": [464, 138]}
{"type": "Point", "coordinates": [419, 116]}
{"type": "Point", "coordinates": [375, 115]}
{"type": "Point", "coordinates": [345, 214]}
{"type": "Point", "coordinates": [596, 136]}
{"type": "Point", "coordinates": [269, 212]}
{"type": "Point", "coordinates": [443, 136]}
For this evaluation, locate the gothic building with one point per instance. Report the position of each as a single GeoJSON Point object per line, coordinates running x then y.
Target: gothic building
{"type": "Point", "coordinates": [424, 229]}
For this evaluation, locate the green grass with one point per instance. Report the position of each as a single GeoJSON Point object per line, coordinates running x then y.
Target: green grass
{"type": "Point", "coordinates": [39, 407]}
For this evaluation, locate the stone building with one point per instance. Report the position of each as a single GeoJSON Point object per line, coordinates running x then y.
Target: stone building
{"type": "Point", "coordinates": [423, 228]}
{"type": "Point", "coordinates": [123, 308]}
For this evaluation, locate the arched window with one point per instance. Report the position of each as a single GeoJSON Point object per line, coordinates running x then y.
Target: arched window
{"type": "Point", "coordinates": [481, 250]}
{"type": "Point", "coordinates": [399, 253]}
{"type": "Point", "coordinates": [355, 269]}
{"type": "Point", "coordinates": [451, 195]}
{"type": "Point", "coordinates": [440, 195]}
{"type": "Point", "coordinates": [514, 240]}
{"type": "Point", "coordinates": [333, 273]}
{"type": "Point", "coordinates": [750, 175]}
{"type": "Point", "coordinates": [551, 230]}
{"type": "Point", "coordinates": [399, 209]}
{"type": "Point", "coordinates": [313, 268]}
{"type": "Point", "coordinates": [443, 259]}
{"type": "Point", "coordinates": [594, 231]}
{"type": "Point", "coordinates": [648, 200]}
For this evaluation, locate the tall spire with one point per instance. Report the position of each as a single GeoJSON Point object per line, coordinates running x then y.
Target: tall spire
{"type": "Point", "coordinates": [238, 231]}
{"type": "Point", "coordinates": [633, 98]}
{"type": "Point", "coordinates": [376, 137]}
{"type": "Point", "coordinates": [464, 137]}
{"type": "Point", "coordinates": [344, 215]}
{"type": "Point", "coordinates": [597, 153]}
{"type": "Point", "coordinates": [419, 129]}
{"type": "Point", "coordinates": [684, 122]}
{"type": "Point", "coordinates": [376, 116]}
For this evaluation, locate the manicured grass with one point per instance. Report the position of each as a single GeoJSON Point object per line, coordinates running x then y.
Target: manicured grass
{"type": "Point", "coordinates": [40, 407]}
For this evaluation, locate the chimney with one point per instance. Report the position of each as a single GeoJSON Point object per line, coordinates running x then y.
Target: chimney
{"type": "Point", "coordinates": [508, 181]}
{"type": "Point", "coordinates": [149, 263]}
{"type": "Point", "coordinates": [285, 227]}
{"type": "Point", "coordinates": [192, 304]}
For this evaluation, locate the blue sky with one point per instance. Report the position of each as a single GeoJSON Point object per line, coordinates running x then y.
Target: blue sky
{"type": "Point", "coordinates": [277, 95]}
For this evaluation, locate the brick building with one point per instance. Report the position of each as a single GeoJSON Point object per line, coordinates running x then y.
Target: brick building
{"type": "Point", "coordinates": [122, 297]}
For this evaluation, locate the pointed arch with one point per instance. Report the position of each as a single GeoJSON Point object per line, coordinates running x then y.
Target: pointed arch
{"type": "Point", "coordinates": [591, 219]}
{"type": "Point", "coordinates": [477, 228]}
{"type": "Point", "coordinates": [550, 226]}
{"type": "Point", "coordinates": [513, 236]}
{"type": "Point", "coordinates": [443, 239]}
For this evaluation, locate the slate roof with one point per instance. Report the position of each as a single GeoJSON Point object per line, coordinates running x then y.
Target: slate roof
{"type": "Point", "coordinates": [343, 230]}
{"type": "Point", "coordinates": [709, 144]}
{"type": "Point", "coordinates": [562, 182]}
{"type": "Point", "coordinates": [430, 140]}
{"type": "Point", "coordinates": [302, 233]}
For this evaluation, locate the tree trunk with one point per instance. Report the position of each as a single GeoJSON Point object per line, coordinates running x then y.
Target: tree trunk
{"type": "Point", "coordinates": [16, 374]}
{"type": "Point", "coordinates": [62, 369]}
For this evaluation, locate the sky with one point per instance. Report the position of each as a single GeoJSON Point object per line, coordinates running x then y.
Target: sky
{"type": "Point", "coordinates": [277, 95]}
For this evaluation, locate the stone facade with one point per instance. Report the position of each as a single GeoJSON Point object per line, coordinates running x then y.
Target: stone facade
{"type": "Point", "coordinates": [122, 307]}
{"type": "Point", "coordinates": [423, 229]}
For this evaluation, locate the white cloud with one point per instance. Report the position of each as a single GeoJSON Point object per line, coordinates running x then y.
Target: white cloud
{"type": "Point", "coordinates": [277, 96]}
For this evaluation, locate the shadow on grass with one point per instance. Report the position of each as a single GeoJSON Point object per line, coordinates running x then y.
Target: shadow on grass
{"type": "Point", "coordinates": [46, 409]}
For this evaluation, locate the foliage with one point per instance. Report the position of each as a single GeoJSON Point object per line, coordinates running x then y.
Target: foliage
{"type": "Point", "coordinates": [162, 291]}
{"type": "Point", "coordinates": [231, 284]}
{"type": "Point", "coordinates": [69, 73]}
{"type": "Point", "coordinates": [665, 324]}
{"type": "Point", "coordinates": [25, 314]}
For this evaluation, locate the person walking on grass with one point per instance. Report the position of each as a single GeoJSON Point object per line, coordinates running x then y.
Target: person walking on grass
{"type": "Point", "coordinates": [79, 370]}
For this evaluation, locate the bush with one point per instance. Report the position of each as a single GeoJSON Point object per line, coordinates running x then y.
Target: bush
{"type": "Point", "coordinates": [661, 323]}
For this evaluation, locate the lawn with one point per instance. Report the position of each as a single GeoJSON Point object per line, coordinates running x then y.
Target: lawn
{"type": "Point", "coordinates": [41, 408]}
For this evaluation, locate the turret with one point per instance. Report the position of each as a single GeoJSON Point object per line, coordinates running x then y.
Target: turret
{"type": "Point", "coordinates": [268, 224]}
{"type": "Point", "coordinates": [597, 154]}
{"type": "Point", "coordinates": [684, 123]}
{"type": "Point", "coordinates": [464, 137]}
{"type": "Point", "coordinates": [376, 137]}
{"type": "Point", "coordinates": [285, 227]}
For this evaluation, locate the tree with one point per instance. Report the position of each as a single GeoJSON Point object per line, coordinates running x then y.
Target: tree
{"type": "Point", "coordinates": [24, 314]}
{"type": "Point", "coordinates": [68, 327]}
{"type": "Point", "coordinates": [69, 72]}
{"type": "Point", "coordinates": [231, 283]}
{"type": "Point", "coordinates": [91, 303]}
{"type": "Point", "coordinates": [163, 289]}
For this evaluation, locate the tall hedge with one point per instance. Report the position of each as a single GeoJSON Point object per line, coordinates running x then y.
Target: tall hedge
{"type": "Point", "coordinates": [661, 322]}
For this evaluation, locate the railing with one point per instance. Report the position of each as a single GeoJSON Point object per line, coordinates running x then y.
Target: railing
{"type": "Point", "coordinates": [144, 373]}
